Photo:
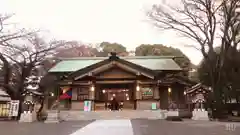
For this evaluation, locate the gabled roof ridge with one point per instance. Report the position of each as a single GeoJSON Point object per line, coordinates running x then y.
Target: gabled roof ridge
{"type": "Point", "coordinates": [83, 58]}
{"type": "Point", "coordinates": [126, 57]}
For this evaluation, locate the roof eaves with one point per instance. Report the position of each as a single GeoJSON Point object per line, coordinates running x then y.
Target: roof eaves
{"type": "Point", "coordinates": [81, 71]}
{"type": "Point", "coordinates": [125, 57]}
{"type": "Point", "coordinates": [84, 58]}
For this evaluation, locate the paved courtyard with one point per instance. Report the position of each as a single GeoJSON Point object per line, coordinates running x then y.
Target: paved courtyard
{"type": "Point", "coordinates": [121, 127]}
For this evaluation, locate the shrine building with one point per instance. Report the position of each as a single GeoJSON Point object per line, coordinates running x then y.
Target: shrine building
{"type": "Point", "coordinates": [136, 82]}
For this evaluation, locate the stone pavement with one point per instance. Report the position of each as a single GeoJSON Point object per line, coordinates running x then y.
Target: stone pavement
{"type": "Point", "coordinates": [107, 127]}
{"type": "Point", "coordinates": [122, 127]}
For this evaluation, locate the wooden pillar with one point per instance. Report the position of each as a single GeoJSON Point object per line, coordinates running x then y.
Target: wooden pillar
{"type": "Point", "coordinates": [74, 93]}
{"type": "Point", "coordinates": [163, 92]}
{"type": "Point", "coordinates": [92, 90]}
{"type": "Point", "coordinates": [138, 95]}
{"type": "Point", "coordinates": [156, 93]}
{"type": "Point", "coordinates": [137, 91]}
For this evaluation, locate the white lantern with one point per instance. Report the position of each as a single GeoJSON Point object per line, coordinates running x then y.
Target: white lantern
{"type": "Point", "coordinates": [184, 93]}
{"type": "Point", "coordinates": [138, 88]}
{"type": "Point", "coordinates": [92, 88]}
{"type": "Point", "coordinates": [169, 90]}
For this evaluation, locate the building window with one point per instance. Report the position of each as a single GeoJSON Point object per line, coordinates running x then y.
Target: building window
{"type": "Point", "coordinates": [147, 93]}
{"type": "Point", "coordinates": [83, 93]}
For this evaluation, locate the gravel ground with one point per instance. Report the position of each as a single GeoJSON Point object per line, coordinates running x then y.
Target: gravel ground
{"type": "Point", "coordinates": [140, 127]}
{"type": "Point", "coordinates": [187, 127]}
{"type": "Point", "coordinates": [63, 128]}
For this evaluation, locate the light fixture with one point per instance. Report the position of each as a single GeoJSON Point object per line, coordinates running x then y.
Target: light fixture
{"type": "Point", "coordinates": [64, 89]}
{"type": "Point", "coordinates": [114, 95]}
{"type": "Point", "coordinates": [126, 94]}
{"type": "Point", "coordinates": [138, 88]}
{"type": "Point", "coordinates": [169, 90]}
{"type": "Point", "coordinates": [92, 88]}
{"type": "Point", "coordinates": [127, 98]}
{"type": "Point", "coordinates": [51, 94]}
{"type": "Point", "coordinates": [103, 91]}
{"type": "Point", "coordinates": [184, 93]}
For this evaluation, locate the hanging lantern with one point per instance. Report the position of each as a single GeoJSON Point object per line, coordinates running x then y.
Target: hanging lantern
{"type": "Point", "coordinates": [92, 88]}
{"type": "Point", "coordinates": [138, 88]}
{"type": "Point", "coordinates": [51, 94]}
{"type": "Point", "coordinates": [169, 90]}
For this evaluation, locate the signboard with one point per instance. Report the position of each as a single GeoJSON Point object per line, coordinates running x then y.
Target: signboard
{"type": "Point", "coordinates": [154, 106]}
{"type": "Point", "coordinates": [87, 105]}
{"type": "Point", "coordinates": [4, 110]}
{"type": "Point", "coordinates": [147, 93]}
{"type": "Point", "coordinates": [14, 107]}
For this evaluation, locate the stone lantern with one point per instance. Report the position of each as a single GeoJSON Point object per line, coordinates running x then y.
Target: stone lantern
{"type": "Point", "coordinates": [30, 93]}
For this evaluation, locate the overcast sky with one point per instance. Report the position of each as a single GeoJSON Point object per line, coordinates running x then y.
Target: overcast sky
{"type": "Point", "coordinates": [94, 21]}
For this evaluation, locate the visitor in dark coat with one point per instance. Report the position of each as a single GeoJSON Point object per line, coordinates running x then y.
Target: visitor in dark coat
{"type": "Point", "coordinates": [114, 104]}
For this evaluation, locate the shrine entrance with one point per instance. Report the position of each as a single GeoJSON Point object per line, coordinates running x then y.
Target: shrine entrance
{"type": "Point", "coordinates": [119, 94]}
{"type": "Point", "coordinates": [123, 93]}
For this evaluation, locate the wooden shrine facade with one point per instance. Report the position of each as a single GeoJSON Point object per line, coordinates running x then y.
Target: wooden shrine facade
{"type": "Point", "coordinates": [137, 83]}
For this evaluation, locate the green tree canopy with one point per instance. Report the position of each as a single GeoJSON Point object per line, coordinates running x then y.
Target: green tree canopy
{"type": "Point", "coordinates": [107, 47]}
{"type": "Point", "coordinates": [230, 73]}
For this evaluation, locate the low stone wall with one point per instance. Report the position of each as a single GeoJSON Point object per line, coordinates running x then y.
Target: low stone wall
{"type": "Point", "coordinates": [180, 113]}
{"type": "Point", "coordinates": [96, 115]}
{"type": "Point", "coordinates": [77, 105]}
{"type": "Point", "coordinates": [28, 117]}
{"type": "Point", "coordinates": [200, 115]}
{"type": "Point", "coordinates": [146, 105]}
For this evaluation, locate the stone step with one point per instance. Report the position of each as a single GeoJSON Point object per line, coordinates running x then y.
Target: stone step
{"type": "Point", "coordinates": [80, 115]}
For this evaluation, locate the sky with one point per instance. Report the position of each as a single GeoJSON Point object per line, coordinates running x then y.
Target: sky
{"type": "Point", "coordinates": [94, 21]}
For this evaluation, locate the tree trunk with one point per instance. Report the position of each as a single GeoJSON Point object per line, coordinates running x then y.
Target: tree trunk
{"type": "Point", "coordinates": [21, 100]}
{"type": "Point", "coordinates": [39, 115]}
{"type": "Point", "coordinates": [218, 103]}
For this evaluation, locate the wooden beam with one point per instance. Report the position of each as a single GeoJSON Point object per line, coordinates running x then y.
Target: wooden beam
{"type": "Point", "coordinates": [147, 82]}
{"type": "Point", "coordinates": [101, 68]}
{"type": "Point", "coordinates": [113, 82]}
{"type": "Point", "coordinates": [112, 64]}
{"type": "Point", "coordinates": [134, 70]}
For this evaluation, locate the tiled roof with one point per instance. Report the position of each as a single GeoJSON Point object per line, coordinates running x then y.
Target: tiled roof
{"type": "Point", "coordinates": [150, 62]}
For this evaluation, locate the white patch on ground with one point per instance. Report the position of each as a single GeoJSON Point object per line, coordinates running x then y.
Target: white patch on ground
{"type": "Point", "coordinates": [106, 127]}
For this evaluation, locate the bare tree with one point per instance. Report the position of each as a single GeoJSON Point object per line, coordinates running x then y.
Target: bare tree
{"type": "Point", "coordinates": [206, 22]}
{"type": "Point", "coordinates": [21, 54]}
{"type": "Point", "coordinates": [75, 49]}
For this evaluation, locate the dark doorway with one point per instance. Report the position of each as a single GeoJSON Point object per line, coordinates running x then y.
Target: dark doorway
{"type": "Point", "coordinates": [123, 93]}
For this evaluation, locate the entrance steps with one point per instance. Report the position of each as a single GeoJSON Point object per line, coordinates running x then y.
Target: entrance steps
{"type": "Point", "coordinates": [100, 115]}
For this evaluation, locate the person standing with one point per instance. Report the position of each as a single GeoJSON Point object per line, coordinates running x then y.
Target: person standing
{"type": "Point", "coordinates": [114, 104]}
